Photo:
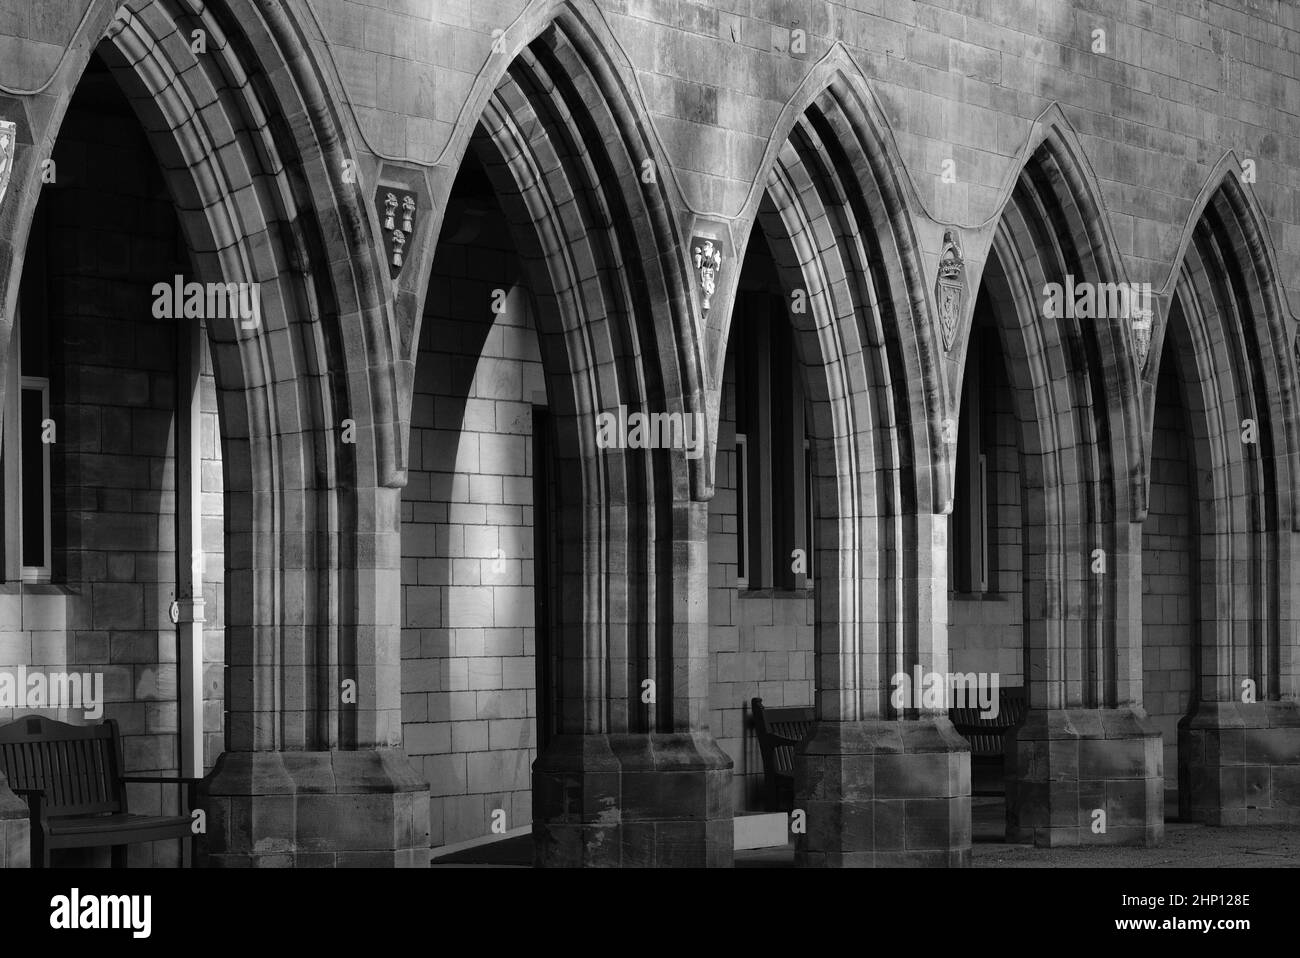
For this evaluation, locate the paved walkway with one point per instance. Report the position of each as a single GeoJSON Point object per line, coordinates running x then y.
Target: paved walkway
{"type": "Point", "coordinates": [1185, 846]}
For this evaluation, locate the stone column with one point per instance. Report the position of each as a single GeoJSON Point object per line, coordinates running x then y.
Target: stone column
{"type": "Point", "coordinates": [313, 773]}
{"type": "Point", "coordinates": [1239, 749]}
{"type": "Point", "coordinates": [627, 782]}
{"type": "Point", "coordinates": [882, 787]}
{"type": "Point", "coordinates": [1087, 765]}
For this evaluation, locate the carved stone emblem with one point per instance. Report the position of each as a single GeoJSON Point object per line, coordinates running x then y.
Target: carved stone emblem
{"type": "Point", "coordinates": [1141, 315]}
{"type": "Point", "coordinates": [950, 287]}
{"type": "Point", "coordinates": [397, 218]}
{"type": "Point", "coordinates": [706, 254]}
{"type": "Point", "coordinates": [8, 141]}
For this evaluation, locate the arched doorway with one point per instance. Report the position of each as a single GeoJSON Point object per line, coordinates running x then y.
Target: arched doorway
{"type": "Point", "coordinates": [261, 205]}
{"type": "Point", "coordinates": [619, 683]}
{"type": "Point", "coordinates": [113, 461]}
{"type": "Point", "coordinates": [1226, 342]}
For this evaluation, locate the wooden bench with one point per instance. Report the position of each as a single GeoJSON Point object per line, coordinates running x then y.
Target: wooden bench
{"type": "Point", "coordinates": [779, 732]}
{"type": "Point", "coordinates": [987, 736]}
{"type": "Point", "coordinates": [76, 793]}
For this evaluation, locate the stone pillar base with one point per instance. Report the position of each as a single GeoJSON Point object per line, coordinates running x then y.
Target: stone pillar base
{"type": "Point", "coordinates": [15, 829]}
{"type": "Point", "coordinates": [1065, 764]}
{"type": "Point", "coordinates": [641, 800]}
{"type": "Point", "coordinates": [883, 793]}
{"type": "Point", "coordinates": [1239, 763]}
{"type": "Point", "coordinates": [364, 808]}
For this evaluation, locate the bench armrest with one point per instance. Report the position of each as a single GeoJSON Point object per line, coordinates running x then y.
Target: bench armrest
{"type": "Point", "coordinates": [35, 804]}
{"type": "Point", "coordinates": [188, 785]}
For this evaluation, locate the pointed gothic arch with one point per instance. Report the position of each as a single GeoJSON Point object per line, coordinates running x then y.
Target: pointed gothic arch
{"type": "Point", "coordinates": [836, 214]}
{"type": "Point", "coordinates": [1075, 379]}
{"type": "Point", "coordinates": [1227, 335]}
{"type": "Point", "coordinates": [564, 148]}
{"type": "Point", "coordinates": [254, 162]}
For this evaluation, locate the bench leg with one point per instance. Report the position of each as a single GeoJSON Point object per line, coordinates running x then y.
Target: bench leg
{"type": "Point", "coordinates": [40, 850]}
{"type": "Point", "coordinates": [119, 856]}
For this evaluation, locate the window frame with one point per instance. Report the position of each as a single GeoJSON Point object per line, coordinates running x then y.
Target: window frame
{"type": "Point", "coordinates": [810, 516]}
{"type": "Point", "coordinates": [12, 453]}
{"type": "Point", "coordinates": [742, 510]}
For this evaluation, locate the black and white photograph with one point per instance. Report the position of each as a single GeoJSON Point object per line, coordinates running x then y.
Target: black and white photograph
{"type": "Point", "coordinates": [480, 436]}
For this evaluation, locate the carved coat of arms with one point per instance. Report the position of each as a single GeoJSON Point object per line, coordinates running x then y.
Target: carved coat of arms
{"type": "Point", "coordinates": [706, 254]}
{"type": "Point", "coordinates": [1140, 322]}
{"type": "Point", "coordinates": [8, 142]}
{"type": "Point", "coordinates": [397, 221]}
{"type": "Point", "coordinates": [950, 288]}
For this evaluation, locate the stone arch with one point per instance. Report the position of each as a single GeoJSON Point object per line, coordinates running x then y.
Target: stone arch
{"type": "Point", "coordinates": [1075, 388]}
{"type": "Point", "coordinates": [261, 198]}
{"type": "Point", "coordinates": [563, 148]}
{"type": "Point", "coordinates": [606, 305]}
{"type": "Point", "coordinates": [1226, 332]}
{"type": "Point", "coordinates": [825, 231]}
{"type": "Point", "coordinates": [600, 93]}
{"type": "Point", "coordinates": [1230, 212]}
{"type": "Point", "coordinates": [254, 159]}
{"type": "Point", "coordinates": [1076, 379]}
{"type": "Point", "coordinates": [838, 99]}
{"type": "Point", "coordinates": [835, 213]}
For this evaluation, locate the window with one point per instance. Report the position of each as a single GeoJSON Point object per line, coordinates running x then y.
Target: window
{"type": "Point", "coordinates": [742, 510]}
{"type": "Point", "coordinates": [968, 547]}
{"type": "Point", "coordinates": [773, 471]}
{"type": "Point", "coordinates": [26, 458]}
{"type": "Point", "coordinates": [808, 509]}
{"type": "Point", "coordinates": [24, 441]}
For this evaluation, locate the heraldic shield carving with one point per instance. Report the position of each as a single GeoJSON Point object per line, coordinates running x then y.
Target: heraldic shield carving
{"type": "Point", "coordinates": [397, 221]}
{"type": "Point", "coordinates": [950, 288]}
{"type": "Point", "coordinates": [8, 142]}
{"type": "Point", "coordinates": [1141, 319]}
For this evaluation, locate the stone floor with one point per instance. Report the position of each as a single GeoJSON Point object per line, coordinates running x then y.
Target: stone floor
{"type": "Point", "coordinates": [1185, 846]}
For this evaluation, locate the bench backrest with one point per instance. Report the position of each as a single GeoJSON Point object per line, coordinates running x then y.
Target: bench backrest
{"type": "Point", "coordinates": [77, 766]}
{"type": "Point", "coordinates": [987, 736]}
{"type": "Point", "coordinates": [779, 731]}
{"type": "Point", "coordinates": [1012, 706]}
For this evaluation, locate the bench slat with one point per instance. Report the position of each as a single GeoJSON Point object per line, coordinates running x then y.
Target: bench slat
{"type": "Point", "coordinates": [779, 733]}
{"type": "Point", "coordinates": [987, 736]}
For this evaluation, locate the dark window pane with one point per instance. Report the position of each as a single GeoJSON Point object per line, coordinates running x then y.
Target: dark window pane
{"type": "Point", "coordinates": [33, 470]}
{"type": "Point", "coordinates": [742, 534]}
{"type": "Point", "coordinates": [808, 507]}
{"type": "Point", "coordinates": [35, 360]}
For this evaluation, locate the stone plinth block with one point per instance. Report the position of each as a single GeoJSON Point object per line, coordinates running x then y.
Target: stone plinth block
{"type": "Point", "coordinates": [15, 829]}
{"type": "Point", "coordinates": [1239, 763]}
{"type": "Point", "coordinates": [364, 808]}
{"type": "Point", "coordinates": [640, 800]}
{"type": "Point", "coordinates": [1085, 777]}
{"type": "Point", "coordinates": [883, 793]}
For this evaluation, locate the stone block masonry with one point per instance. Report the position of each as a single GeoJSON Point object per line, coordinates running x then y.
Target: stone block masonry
{"type": "Point", "coordinates": [469, 670]}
